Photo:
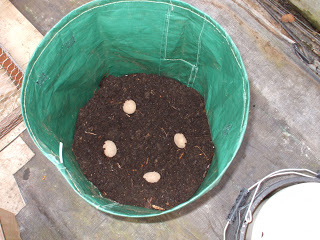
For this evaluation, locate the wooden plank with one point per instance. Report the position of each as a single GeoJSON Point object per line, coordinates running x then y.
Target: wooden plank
{"type": "Point", "coordinates": [9, 225]}
{"type": "Point", "coordinates": [12, 120]}
{"type": "Point", "coordinates": [43, 15]}
{"type": "Point", "coordinates": [16, 75]}
{"type": "Point", "coordinates": [1, 233]}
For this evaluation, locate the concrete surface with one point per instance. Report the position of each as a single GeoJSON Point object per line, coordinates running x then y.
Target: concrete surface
{"type": "Point", "coordinates": [12, 159]}
{"type": "Point", "coordinates": [310, 9]}
{"type": "Point", "coordinates": [283, 132]}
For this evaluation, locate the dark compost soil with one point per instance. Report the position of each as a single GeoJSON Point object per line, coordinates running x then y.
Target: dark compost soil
{"type": "Point", "coordinates": [144, 140]}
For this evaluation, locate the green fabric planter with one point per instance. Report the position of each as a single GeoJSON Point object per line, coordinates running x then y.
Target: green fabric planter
{"type": "Point", "coordinates": [169, 38]}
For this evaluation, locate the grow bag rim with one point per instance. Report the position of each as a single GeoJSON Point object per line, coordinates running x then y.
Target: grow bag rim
{"type": "Point", "coordinates": [45, 42]}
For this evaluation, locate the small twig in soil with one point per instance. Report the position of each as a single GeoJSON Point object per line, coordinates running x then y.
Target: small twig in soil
{"type": "Point", "coordinates": [90, 133]}
{"type": "Point", "coordinates": [118, 165]}
{"type": "Point", "coordinates": [181, 155]}
{"type": "Point", "coordinates": [204, 174]}
{"type": "Point", "coordinates": [173, 107]}
{"type": "Point", "coordinates": [139, 112]}
{"type": "Point", "coordinates": [147, 161]}
{"type": "Point", "coordinates": [202, 152]}
{"type": "Point", "coordinates": [165, 133]}
{"type": "Point", "coordinates": [148, 203]}
{"type": "Point", "coordinates": [148, 135]}
{"type": "Point", "coordinates": [127, 115]}
{"type": "Point", "coordinates": [157, 207]}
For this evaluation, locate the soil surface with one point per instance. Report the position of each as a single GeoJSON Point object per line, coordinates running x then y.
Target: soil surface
{"type": "Point", "coordinates": [144, 140]}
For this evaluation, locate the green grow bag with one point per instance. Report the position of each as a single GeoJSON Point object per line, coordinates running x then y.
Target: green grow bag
{"type": "Point", "coordinates": [169, 38]}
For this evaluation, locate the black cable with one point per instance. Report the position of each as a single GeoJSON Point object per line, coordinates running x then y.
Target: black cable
{"type": "Point", "coordinates": [296, 45]}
